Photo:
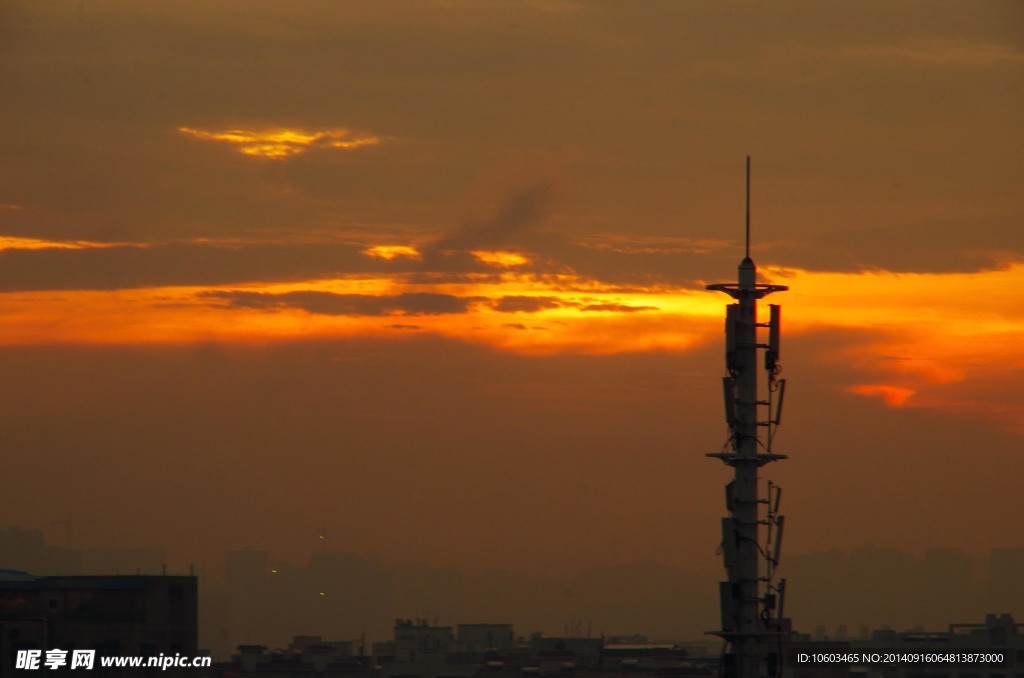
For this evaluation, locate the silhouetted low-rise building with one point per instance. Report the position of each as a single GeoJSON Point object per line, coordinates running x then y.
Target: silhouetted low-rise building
{"type": "Point", "coordinates": [115, 615]}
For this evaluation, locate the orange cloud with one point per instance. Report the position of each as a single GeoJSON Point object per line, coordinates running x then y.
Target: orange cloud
{"type": "Point", "coordinates": [654, 244]}
{"type": "Point", "coordinates": [390, 252]}
{"type": "Point", "coordinates": [942, 54]}
{"type": "Point", "coordinates": [279, 143]}
{"type": "Point", "coordinates": [8, 242]}
{"type": "Point", "coordinates": [893, 395]}
{"type": "Point", "coordinates": [500, 259]}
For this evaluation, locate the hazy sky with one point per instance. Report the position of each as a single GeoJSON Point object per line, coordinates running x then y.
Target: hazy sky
{"type": "Point", "coordinates": [428, 276]}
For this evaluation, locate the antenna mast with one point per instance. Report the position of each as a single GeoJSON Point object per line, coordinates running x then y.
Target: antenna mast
{"type": "Point", "coordinates": [747, 255]}
{"type": "Point", "coordinates": [751, 613]}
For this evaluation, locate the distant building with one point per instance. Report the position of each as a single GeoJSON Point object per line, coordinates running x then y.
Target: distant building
{"type": "Point", "coordinates": [306, 657]}
{"type": "Point", "coordinates": [414, 639]}
{"type": "Point", "coordinates": [423, 650]}
{"type": "Point", "coordinates": [338, 648]}
{"type": "Point", "coordinates": [484, 637]}
{"type": "Point", "coordinates": [586, 651]}
{"type": "Point", "coordinates": [998, 635]}
{"type": "Point", "coordinates": [247, 589]}
{"type": "Point", "coordinates": [494, 651]}
{"type": "Point", "coordinates": [27, 550]}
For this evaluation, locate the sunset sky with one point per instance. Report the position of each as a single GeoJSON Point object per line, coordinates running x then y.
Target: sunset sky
{"type": "Point", "coordinates": [428, 277]}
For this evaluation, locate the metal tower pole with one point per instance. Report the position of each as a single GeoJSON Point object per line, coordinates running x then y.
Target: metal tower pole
{"type": "Point", "coordinates": [745, 612]}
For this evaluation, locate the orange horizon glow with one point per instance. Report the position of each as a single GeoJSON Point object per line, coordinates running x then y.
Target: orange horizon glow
{"type": "Point", "coordinates": [588, 318]}
{"type": "Point", "coordinates": [923, 326]}
{"type": "Point", "coordinates": [909, 335]}
{"type": "Point", "coordinates": [918, 334]}
{"type": "Point", "coordinates": [896, 309]}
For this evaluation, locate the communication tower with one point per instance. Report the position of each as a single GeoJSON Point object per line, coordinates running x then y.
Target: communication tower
{"type": "Point", "coordinates": [751, 599]}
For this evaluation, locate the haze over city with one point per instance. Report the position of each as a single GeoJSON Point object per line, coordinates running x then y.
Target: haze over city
{"type": "Point", "coordinates": [425, 281]}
